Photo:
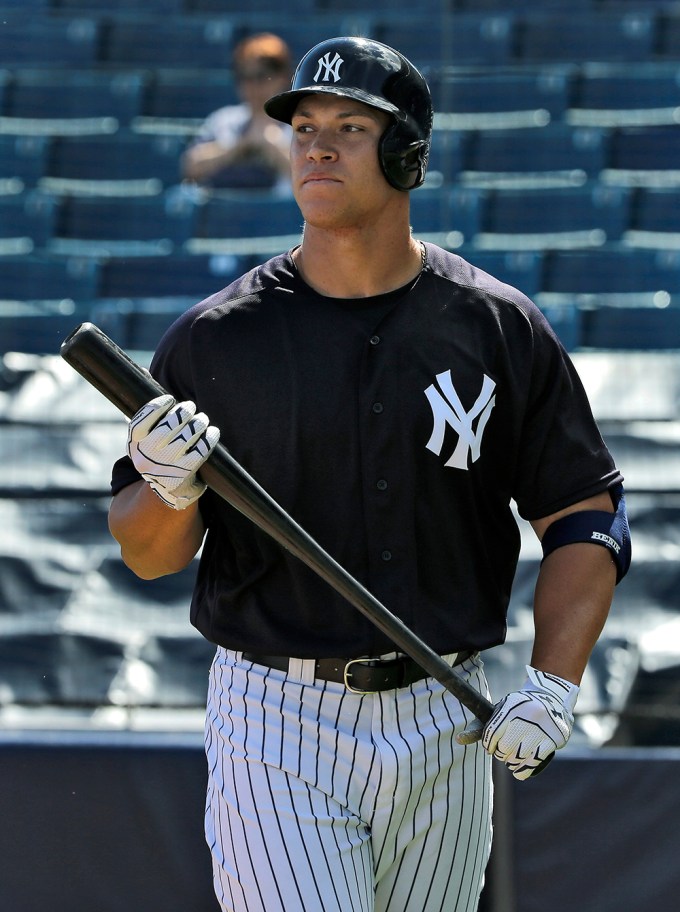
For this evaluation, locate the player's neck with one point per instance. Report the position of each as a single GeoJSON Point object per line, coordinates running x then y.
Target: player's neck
{"type": "Point", "coordinates": [342, 266]}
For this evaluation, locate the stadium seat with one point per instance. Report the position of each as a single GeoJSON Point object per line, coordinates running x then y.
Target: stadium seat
{"type": "Point", "coordinates": [448, 155]}
{"type": "Point", "coordinates": [539, 218]}
{"type": "Point", "coordinates": [76, 94]}
{"type": "Point", "coordinates": [40, 277]}
{"type": "Point", "coordinates": [124, 162]}
{"type": "Point", "coordinates": [185, 95]}
{"type": "Point", "coordinates": [644, 155]}
{"type": "Point", "coordinates": [27, 220]}
{"type": "Point", "coordinates": [524, 6]}
{"type": "Point", "coordinates": [631, 328]}
{"type": "Point", "coordinates": [124, 225]}
{"type": "Point", "coordinates": [655, 219]}
{"type": "Point", "coordinates": [554, 155]}
{"type": "Point", "coordinates": [614, 271]}
{"type": "Point", "coordinates": [613, 95]}
{"type": "Point", "coordinates": [668, 45]}
{"type": "Point", "coordinates": [23, 158]}
{"type": "Point", "coordinates": [447, 216]}
{"type": "Point", "coordinates": [503, 98]}
{"type": "Point", "coordinates": [41, 40]}
{"type": "Point", "coordinates": [173, 41]}
{"type": "Point", "coordinates": [138, 323]}
{"type": "Point", "coordinates": [159, 276]}
{"type": "Point", "coordinates": [462, 39]}
{"type": "Point", "coordinates": [248, 216]}
{"type": "Point", "coordinates": [116, 7]}
{"type": "Point", "coordinates": [586, 36]}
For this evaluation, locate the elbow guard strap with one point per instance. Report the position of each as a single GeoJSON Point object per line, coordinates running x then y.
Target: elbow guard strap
{"type": "Point", "coordinates": [610, 530]}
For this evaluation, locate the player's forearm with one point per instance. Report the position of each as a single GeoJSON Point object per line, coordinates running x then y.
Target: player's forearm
{"type": "Point", "coordinates": [154, 539]}
{"type": "Point", "coordinates": [572, 600]}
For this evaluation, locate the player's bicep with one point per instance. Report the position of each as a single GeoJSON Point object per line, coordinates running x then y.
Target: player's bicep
{"type": "Point", "coordinates": [601, 502]}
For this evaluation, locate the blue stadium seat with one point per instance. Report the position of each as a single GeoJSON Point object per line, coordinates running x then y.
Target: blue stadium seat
{"type": "Point", "coordinates": [448, 216]}
{"type": "Point", "coordinates": [524, 6]}
{"type": "Point", "coordinates": [502, 92]}
{"type": "Point", "coordinates": [631, 328]}
{"type": "Point", "coordinates": [50, 41]}
{"type": "Point", "coordinates": [76, 94]}
{"type": "Point", "coordinates": [247, 216]}
{"type": "Point", "coordinates": [448, 155]}
{"type": "Point", "coordinates": [616, 95]}
{"type": "Point", "coordinates": [173, 41]}
{"type": "Point", "coordinates": [462, 39]}
{"type": "Point", "coordinates": [615, 270]}
{"type": "Point", "coordinates": [40, 277]}
{"type": "Point", "coordinates": [573, 36]}
{"type": "Point", "coordinates": [160, 276]}
{"type": "Point", "coordinates": [219, 7]}
{"type": "Point", "coordinates": [29, 217]}
{"type": "Point", "coordinates": [5, 82]}
{"type": "Point", "coordinates": [584, 216]}
{"type": "Point", "coordinates": [124, 225]}
{"type": "Point", "coordinates": [668, 46]}
{"type": "Point", "coordinates": [138, 323]}
{"type": "Point", "coordinates": [639, 152]}
{"type": "Point", "coordinates": [89, 163]}
{"type": "Point", "coordinates": [555, 154]}
{"type": "Point", "coordinates": [188, 94]}
{"type": "Point", "coordinates": [116, 7]}
{"type": "Point", "coordinates": [23, 157]}
{"type": "Point", "coordinates": [655, 220]}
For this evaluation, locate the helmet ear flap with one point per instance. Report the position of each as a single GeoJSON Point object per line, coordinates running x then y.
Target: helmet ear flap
{"type": "Point", "coordinates": [403, 159]}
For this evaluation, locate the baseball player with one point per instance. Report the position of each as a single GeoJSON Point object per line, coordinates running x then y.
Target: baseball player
{"type": "Point", "coordinates": [394, 400]}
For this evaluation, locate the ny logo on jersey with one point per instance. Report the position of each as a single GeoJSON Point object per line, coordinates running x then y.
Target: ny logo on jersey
{"type": "Point", "coordinates": [329, 67]}
{"type": "Point", "coordinates": [447, 410]}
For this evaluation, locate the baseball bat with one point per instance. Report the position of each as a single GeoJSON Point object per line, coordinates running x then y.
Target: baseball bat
{"type": "Point", "coordinates": [128, 386]}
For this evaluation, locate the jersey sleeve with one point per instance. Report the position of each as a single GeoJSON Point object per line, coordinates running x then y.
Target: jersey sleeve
{"type": "Point", "coordinates": [563, 458]}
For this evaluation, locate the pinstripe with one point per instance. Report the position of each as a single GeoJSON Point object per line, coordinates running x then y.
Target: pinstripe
{"type": "Point", "coordinates": [324, 801]}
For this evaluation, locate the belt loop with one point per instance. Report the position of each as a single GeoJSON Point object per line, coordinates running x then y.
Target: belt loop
{"type": "Point", "coordinates": [302, 670]}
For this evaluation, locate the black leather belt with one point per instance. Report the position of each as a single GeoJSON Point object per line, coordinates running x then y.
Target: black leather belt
{"type": "Point", "coordinates": [360, 675]}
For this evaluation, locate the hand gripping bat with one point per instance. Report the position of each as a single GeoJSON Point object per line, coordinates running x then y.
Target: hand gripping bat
{"type": "Point", "coordinates": [109, 369]}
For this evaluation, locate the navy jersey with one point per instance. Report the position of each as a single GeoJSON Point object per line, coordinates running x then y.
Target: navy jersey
{"type": "Point", "coordinates": [396, 430]}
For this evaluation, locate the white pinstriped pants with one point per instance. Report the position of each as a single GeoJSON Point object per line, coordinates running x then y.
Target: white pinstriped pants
{"type": "Point", "coordinates": [321, 800]}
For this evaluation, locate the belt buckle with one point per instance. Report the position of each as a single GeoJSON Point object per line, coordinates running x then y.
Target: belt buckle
{"type": "Point", "coordinates": [348, 674]}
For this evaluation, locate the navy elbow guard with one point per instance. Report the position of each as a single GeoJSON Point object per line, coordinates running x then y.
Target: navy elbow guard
{"type": "Point", "coordinates": [610, 530]}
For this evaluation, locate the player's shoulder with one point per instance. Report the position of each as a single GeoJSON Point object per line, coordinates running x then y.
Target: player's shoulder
{"type": "Point", "coordinates": [458, 270]}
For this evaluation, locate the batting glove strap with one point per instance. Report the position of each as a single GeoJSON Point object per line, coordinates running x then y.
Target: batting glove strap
{"type": "Point", "coordinates": [168, 442]}
{"type": "Point", "coordinates": [530, 724]}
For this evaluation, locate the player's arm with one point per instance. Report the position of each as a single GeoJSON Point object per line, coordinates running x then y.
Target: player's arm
{"type": "Point", "coordinates": [154, 539]}
{"type": "Point", "coordinates": [156, 521]}
{"type": "Point", "coordinates": [573, 596]}
{"type": "Point", "coordinates": [586, 551]}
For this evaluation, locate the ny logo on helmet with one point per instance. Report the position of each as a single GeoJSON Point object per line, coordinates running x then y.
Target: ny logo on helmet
{"type": "Point", "coordinates": [329, 67]}
{"type": "Point", "coordinates": [448, 410]}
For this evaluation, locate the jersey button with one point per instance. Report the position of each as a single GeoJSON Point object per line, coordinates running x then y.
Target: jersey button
{"type": "Point", "coordinates": [386, 555]}
{"type": "Point", "coordinates": [375, 340]}
{"type": "Point", "coordinates": [381, 484]}
{"type": "Point", "coordinates": [377, 407]}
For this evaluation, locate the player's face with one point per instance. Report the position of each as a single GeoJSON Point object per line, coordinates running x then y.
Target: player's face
{"type": "Point", "coordinates": [337, 180]}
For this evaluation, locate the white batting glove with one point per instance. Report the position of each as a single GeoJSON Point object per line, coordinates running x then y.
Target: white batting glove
{"type": "Point", "coordinates": [168, 442]}
{"type": "Point", "coordinates": [528, 725]}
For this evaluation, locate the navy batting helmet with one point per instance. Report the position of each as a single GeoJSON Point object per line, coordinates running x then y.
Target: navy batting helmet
{"type": "Point", "coordinates": [376, 75]}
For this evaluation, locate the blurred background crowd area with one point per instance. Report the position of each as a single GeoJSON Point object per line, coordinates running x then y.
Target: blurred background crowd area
{"type": "Point", "coordinates": [555, 165]}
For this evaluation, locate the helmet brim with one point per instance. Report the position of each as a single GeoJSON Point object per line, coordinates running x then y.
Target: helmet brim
{"type": "Point", "coordinates": [282, 107]}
